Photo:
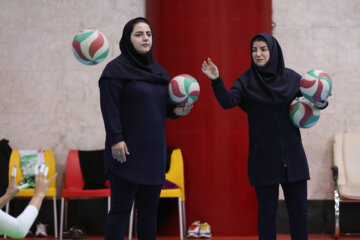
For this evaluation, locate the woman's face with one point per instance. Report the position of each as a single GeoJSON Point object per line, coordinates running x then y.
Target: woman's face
{"type": "Point", "coordinates": [260, 53]}
{"type": "Point", "coordinates": [141, 38]}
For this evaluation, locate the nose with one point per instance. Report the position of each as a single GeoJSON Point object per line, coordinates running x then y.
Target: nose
{"type": "Point", "coordinates": [258, 52]}
{"type": "Point", "coordinates": [146, 38]}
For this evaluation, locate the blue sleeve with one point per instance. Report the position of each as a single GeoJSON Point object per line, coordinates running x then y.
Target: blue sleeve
{"type": "Point", "coordinates": [227, 99]}
{"type": "Point", "coordinates": [110, 95]}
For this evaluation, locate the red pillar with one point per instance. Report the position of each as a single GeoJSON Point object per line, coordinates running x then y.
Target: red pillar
{"type": "Point", "coordinates": [214, 141]}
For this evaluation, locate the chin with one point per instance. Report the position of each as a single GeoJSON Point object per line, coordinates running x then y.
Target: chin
{"type": "Point", "coordinates": [144, 51]}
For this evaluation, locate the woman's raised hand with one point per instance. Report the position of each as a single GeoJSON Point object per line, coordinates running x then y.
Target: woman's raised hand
{"type": "Point", "coordinates": [210, 69]}
{"type": "Point", "coordinates": [41, 181]}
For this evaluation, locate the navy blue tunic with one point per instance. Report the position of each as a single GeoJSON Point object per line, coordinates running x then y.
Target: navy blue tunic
{"type": "Point", "coordinates": [276, 153]}
{"type": "Point", "coordinates": [134, 105]}
{"type": "Point", "coordinates": [274, 142]}
{"type": "Point", "coordinates": [135, 112]}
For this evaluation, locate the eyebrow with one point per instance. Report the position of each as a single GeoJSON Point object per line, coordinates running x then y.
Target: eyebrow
{"type": "Point", "coordinates": [260, 47]}
{"type": "Point", "coordinates": [143, 31]}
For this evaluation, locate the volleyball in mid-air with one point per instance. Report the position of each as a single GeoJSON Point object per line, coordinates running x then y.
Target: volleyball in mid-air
{"type": "Point", "coordinates": [184, 89]}
{"type": "Point", "coordinates": [90, 46]}
{"type": "Point", "coordinates": [303, 113]}
{"type": "Point", "coordinates": [316, 85]}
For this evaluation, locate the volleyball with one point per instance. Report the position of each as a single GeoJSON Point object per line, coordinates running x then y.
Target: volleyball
{"type": "Point", "coordinates": [90, 46]}
{"type": "Point", "coordinates": [183, 89]}
{"type": "Point", "coordinates": [303, 113]}
{"type": "Point", "coordinates": [316, 85]}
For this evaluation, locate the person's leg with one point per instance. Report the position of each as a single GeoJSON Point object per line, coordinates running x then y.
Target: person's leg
{"type": "Point", "coordinates": [147, 201]}
{"type": "Point", "coordinates": [122, 198]}
{"type": "Point", "coordinates": [268, 198]}
{"type": "Point", "coordinates": [295, 197]}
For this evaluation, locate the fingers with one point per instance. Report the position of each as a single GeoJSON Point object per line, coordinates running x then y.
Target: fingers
{"type": "Point", "coordinates": [52, 178]}
{"type": "Point", "coordinates": [188, 106]}
{"type": "Point", "coordinates": [24, 186]}
{"type": "Point", "coordinates": [205, 65]}
{"type": "Point", "coordinates": [13, 172]}
{"type": "Point", "coordinates": [119, 151]}
{"type": "Point", "coordinates": [126, 150]}
{"type": "Point", "coordinates": [119, 155]}
{"type": "Point", "coordinates": [41, 169]}
{"type": "Point", "coordinates": [210, 69]}
{"type": "Point", "coordinates": [183, 110]}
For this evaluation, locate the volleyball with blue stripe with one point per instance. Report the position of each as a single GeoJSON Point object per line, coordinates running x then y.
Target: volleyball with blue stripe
{"type": "Point", "coordinates": [303, 113]}
{"type": "Point", "coordinates": [184, 89]}
{"type": "Point", "coordinates": [316, 85]}
{"type": "Point", "coordinates": [90, 46]}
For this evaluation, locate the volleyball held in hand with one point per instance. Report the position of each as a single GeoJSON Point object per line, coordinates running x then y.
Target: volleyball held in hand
{"type": "Point", "coordinates": [183, 89]}
{"type": "Point", "coordinates": [90, 46]}
{"type": "Point", "coordinates": [303, 113]}
{"type": "Point", "coordinates": [316, 85]}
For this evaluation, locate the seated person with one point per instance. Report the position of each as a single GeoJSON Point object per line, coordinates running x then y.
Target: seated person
{"type": "Point", "coordinates": [19, 227]}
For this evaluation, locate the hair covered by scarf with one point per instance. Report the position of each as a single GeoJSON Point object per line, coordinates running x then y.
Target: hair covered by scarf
{"type": "Point", "coordinates": [272, 83]}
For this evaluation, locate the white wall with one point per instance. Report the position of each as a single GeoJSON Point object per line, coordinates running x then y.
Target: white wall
{"type": "Point", "coordinates": [49, 100]}
{"type": "Point", "coordinates": [324, 34]}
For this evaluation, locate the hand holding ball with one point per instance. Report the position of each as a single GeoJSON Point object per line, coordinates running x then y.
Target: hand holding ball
{"type": "Point", "coordinates": [183, 89]}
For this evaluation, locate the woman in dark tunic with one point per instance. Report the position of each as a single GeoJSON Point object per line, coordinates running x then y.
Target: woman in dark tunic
{"type": "Point", "coordinates": [276, 154]}
{"type": "Point", "coordinates": [134, 105]}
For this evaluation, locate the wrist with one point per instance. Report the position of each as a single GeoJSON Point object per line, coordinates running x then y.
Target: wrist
{"type": "Point", "coordinates": [214, 78]}
{"type": "Point", "coordinates": [39, 195]}
{"type": "Point", "coordinates": [9, 195]}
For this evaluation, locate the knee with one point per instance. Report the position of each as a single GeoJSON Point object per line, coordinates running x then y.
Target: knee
{"type": "Point", "coordinates": [120, 210]}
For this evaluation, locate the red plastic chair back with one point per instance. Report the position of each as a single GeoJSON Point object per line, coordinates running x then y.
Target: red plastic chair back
{"type": "Point", "coordinates": [73, 175]}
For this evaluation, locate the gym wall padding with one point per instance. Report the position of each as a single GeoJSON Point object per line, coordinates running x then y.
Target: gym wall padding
{"type": "Point", "coordinates": [214, 142]}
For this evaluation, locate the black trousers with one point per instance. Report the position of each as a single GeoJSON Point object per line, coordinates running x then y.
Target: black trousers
{"type": "Point", "coordinates": [123, 194]}
{"type": "Point", "coordinates": [295, 194]}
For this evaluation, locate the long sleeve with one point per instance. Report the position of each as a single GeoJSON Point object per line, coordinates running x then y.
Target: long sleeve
{"type": "Point", "coordinates": [110, 95]}
{"type": "Point", "coordinates": [227, 99]}
{"type": "Point", "coordinates": [18, 227]}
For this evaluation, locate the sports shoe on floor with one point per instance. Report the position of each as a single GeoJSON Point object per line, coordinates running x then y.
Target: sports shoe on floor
{"type": "Point", "coordinates": [205, 231]}
{"type": "Point", "coordinates": [193, 230]}
{"type": "Point", "coordinates": [41, 230]}
{"type": "Point", "coordinates": [74, 233]}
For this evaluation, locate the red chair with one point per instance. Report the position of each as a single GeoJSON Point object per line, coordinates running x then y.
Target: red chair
{"type": "Point", "coordinates": [74, 183]}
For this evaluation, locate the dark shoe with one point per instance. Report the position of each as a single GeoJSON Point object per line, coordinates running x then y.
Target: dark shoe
{"type": "Point", "coordinates": [75, 233]}
{"type": "Point", "coordinates": [67, 234]}
{"type": "Point", "coordinates": [78, 234]}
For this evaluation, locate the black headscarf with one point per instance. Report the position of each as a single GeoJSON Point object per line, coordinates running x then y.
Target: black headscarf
{"type": "Point", "coordinates": [131, 65]}
{"type": "Point", "coordinates": [272, 83]}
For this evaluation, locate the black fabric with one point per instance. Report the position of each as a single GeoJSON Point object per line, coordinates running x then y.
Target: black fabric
{"type": "Point", "coordinates": [5, 152]}
{"type": "Point", "coordinates": [134, 104]}
{"type": "Point", "coordinates": [272, 83]}
{"type": "Point", "coordinates": [92, 168]}
{"type": "Point", "coordinates": [168, 159]}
